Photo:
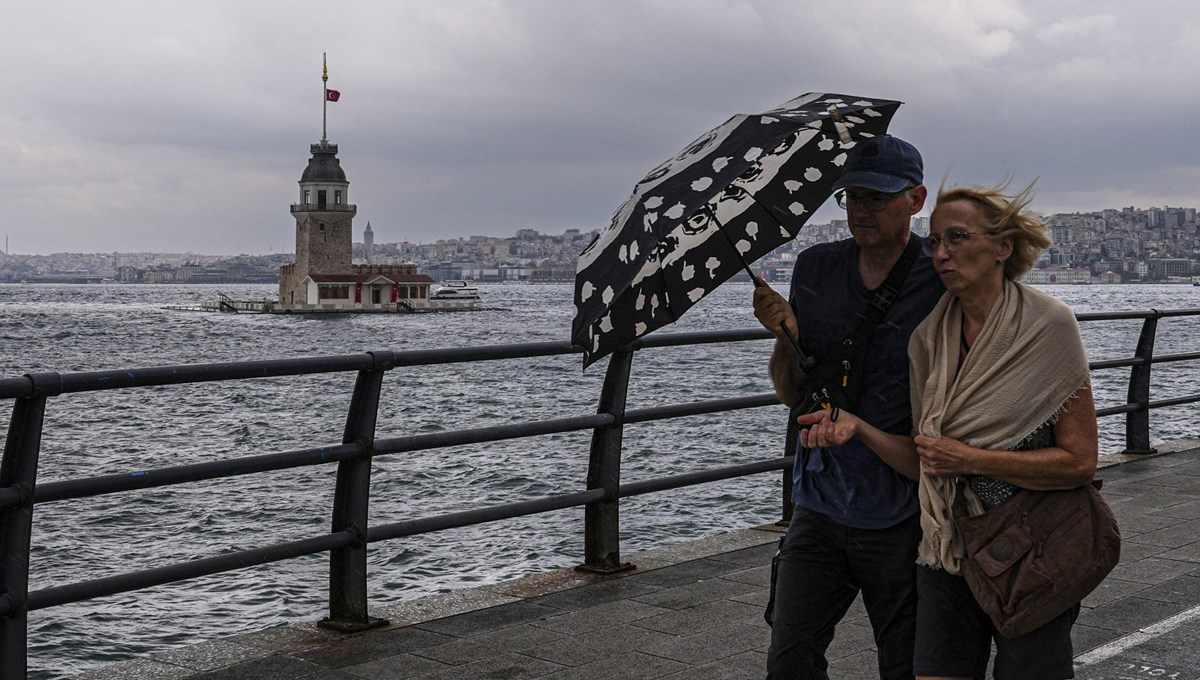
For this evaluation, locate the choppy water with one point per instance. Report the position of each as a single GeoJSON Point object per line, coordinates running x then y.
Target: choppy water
{"type": "Point", "coordinates": [76, 328]}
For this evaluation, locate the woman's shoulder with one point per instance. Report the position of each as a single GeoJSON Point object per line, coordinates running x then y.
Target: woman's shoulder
{"type": "Point", "coordinates": [1045, 308]}
{"type": "Point", "coordinates": [1043, 301]}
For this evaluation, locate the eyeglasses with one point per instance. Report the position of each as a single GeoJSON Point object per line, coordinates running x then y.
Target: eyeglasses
{"type": "Point", "coordinates": [873, 202]}
{"type": "Point", "coordinates": [953, 239]}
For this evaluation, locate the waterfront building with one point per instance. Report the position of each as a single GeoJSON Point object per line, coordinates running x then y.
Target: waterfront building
{"type": "Point", "coordinates": [1057, 275]}
{"type": "Point", "coordinates": [324, 277]}
{"type": "Point", "coordinates": [1169, 267]}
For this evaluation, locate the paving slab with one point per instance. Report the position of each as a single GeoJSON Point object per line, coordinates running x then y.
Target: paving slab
{"type": "Point", "coordinates": [695, 611]}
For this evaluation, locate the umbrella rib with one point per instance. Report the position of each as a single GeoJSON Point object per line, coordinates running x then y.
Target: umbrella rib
{"type": "Point", "coordinates": [806, 362]}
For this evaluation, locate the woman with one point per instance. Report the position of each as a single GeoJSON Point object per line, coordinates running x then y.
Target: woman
{"type": "Point", "coordinates": [1001, 397]}
{"type": "Point", "coordinates": [1001, 401]}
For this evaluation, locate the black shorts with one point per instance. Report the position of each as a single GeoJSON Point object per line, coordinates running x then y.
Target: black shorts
{"type": "Point", "coordinates": [954, 636]}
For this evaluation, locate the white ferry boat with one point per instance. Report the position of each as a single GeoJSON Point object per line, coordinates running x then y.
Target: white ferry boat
{"type": "Point", "coordinates": [456, 290]}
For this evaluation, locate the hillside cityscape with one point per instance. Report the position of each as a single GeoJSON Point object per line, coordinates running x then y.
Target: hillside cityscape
{"type": "Point", "coordinates": [1125, 245]}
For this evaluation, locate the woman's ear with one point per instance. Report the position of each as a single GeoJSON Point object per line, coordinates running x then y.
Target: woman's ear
{"type": "Point", "coordinates": [1006, 248]}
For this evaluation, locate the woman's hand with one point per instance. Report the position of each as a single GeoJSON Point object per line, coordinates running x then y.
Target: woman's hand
{"type": "Point", "coordinates": [827, 428]}
{"type": "Point", "coordinates": [943, 456]}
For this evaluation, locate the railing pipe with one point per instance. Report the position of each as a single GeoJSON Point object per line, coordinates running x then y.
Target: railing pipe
{"type": "Point", "coordinates": [1137, 422]}
{"type": "Point", "coordinates": [50, 492]}
{"type": "Point", "coordinates": [348, 564]}
{"type": "Point", "coordinates": [493, 433]}
{"type": "Point", "coordinates": [91, 381]}
{"type": "Point", "coordinates": [153, 376]}
{"type": "Point", "coordinates": [465, 518]}
{"type": "Point", "coordinates": [704, 476]}
{"type": "Point", "coordinates": [1116, 410]}
{"type": "Point", "coordinates": [1173, 358]}
{"type": "Point", "coordinates": [643, 415]}
{"type": "Point", "coordinates": [700, 338]}
{"type": "Point", "coordinates": [602, 518]}
{"type": "Point", "coordinates": [453, 355]}
{"type": "Point", "coordinates": [144, 479]}
{"type": "Point", "coordinates": [1176, 401]}
{"type": "Point", "coordinates": [182, 571]}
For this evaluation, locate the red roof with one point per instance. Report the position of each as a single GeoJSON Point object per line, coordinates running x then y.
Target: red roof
{"type": "Point", "coordinates": [370, 278]}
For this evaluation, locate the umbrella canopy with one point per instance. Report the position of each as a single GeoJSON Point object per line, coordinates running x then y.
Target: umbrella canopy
{"type": "Point", "coordinates": [735, 194]}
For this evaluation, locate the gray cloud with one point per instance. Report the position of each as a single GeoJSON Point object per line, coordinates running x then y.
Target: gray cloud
{"type": "Point", "coordinates": [167, 126]}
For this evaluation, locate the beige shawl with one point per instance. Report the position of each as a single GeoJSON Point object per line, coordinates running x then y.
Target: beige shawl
{"type": "Point", "coordinates": [1026, 363]}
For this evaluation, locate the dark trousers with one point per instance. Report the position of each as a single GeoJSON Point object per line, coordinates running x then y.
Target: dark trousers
{"type": "Point", "coordinates": [822, 567]}
{"type": "Point", "coordinates": [955, 636]}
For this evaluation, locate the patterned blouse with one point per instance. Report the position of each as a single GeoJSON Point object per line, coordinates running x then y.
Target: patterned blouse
{"type": "Point", "coordinates": [993, 492]}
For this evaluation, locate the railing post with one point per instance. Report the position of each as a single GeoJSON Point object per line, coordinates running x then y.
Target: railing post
{"type": "Point", "coordinates": [1137, 423]}
{"type": "Point", "coordinates": [348, 566]}
{"type": "Point", "coordinates": [19, 471]}
{"type": "Point", "coordinates": [602, 518]}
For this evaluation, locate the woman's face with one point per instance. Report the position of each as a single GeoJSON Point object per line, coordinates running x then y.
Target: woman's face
{"type": "Point", "coordinates": [966, 257]}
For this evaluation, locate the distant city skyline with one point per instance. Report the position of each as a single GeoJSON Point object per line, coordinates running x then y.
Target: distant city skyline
{"type": "Point", "coordinates": [358, 236]}
{"type": "Point", "coordinates": [1171, 231]}
{"type": "Point", "coordinates": [190, 130]}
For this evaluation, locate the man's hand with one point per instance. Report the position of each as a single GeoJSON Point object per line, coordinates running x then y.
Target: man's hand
{"type": "Point", "coordinates": [823, 431]}
{"type": "Point", "coordinates": [773, 311]}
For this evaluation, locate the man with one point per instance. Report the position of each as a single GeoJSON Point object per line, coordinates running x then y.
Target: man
{"type": "Point", "coordinates": [856, 525]}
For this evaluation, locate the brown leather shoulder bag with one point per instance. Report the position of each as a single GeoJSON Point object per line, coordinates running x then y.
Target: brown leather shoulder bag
{"type": "Point", "coordinates": [1038, 554]}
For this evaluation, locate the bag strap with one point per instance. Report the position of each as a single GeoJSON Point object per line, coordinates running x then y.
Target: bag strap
{"type": "Point", "coordinates": [887, 292]}
{"type": "Point", "coordinates": [854, 346]}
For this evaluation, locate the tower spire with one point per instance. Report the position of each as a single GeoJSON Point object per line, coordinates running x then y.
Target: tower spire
{"type": "Point", "coordinates": [324, 95]}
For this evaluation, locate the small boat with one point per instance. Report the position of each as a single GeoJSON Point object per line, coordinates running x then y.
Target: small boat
{"type": "Point", "coordinates": [455, 290]}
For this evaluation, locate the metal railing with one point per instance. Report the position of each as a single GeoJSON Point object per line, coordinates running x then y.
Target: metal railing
{"type": "Point", "coordinates": [324, 207]}
{"type": "Point", "coordinates": [350, 534]}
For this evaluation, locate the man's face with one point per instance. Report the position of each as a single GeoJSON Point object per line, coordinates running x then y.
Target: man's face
{"type": "Point", "coordinates": [879, 220]}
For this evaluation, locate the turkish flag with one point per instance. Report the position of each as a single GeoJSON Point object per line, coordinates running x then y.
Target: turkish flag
{"type": "Point", "coordinates": [332, 95]}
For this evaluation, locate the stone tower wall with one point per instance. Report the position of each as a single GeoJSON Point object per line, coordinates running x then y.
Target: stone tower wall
{"type": "Point", "coordinates": [326, 240]}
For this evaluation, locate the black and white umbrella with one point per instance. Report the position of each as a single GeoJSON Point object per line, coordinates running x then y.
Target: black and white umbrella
{"type": "Point", "coordinates": [735, 194]}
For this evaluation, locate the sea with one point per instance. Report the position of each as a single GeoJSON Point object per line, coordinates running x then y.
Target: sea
{"type": "Point", "coordinates": [68, 328]}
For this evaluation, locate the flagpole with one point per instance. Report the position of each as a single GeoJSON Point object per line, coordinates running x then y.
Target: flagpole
{"type": "Point", "coordinates": [324, 94]}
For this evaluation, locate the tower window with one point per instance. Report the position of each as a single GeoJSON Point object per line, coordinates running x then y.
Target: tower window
{"type": "Point", "coordinates": [337, 198]}
{"type": "Point", "coordinates": [320, 199]}
{"type": "Point", "coordinates": [307, 196]}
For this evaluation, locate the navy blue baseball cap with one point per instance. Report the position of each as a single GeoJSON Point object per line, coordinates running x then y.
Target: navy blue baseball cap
{"type": "Point", "coordinates": [885, 164]}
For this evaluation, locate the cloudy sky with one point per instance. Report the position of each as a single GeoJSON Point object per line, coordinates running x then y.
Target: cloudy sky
{"type": "Point", "coordinates": [184, 126]}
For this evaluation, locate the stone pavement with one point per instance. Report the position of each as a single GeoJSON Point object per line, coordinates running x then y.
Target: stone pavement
{"type": "Point", "coordinates": [695, 611]}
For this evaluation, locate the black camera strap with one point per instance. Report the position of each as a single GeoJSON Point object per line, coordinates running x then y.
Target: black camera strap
{"type": "Point", "coordinates": [853, 350]}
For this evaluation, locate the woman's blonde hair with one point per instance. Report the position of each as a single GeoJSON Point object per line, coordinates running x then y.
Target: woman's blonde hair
{"type": "Point", "coordinates": [1004, 214]}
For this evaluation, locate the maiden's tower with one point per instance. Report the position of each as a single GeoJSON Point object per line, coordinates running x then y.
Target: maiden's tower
{"type": "Point", "coordinates": [324, 278]}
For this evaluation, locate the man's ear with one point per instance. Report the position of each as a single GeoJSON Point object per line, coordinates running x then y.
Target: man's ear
{"type": "Point", "coordinates": [917, 195]}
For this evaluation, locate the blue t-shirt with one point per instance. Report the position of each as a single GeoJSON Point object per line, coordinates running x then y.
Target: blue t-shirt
{"type": "Point", "coordinates": [850, 483]}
